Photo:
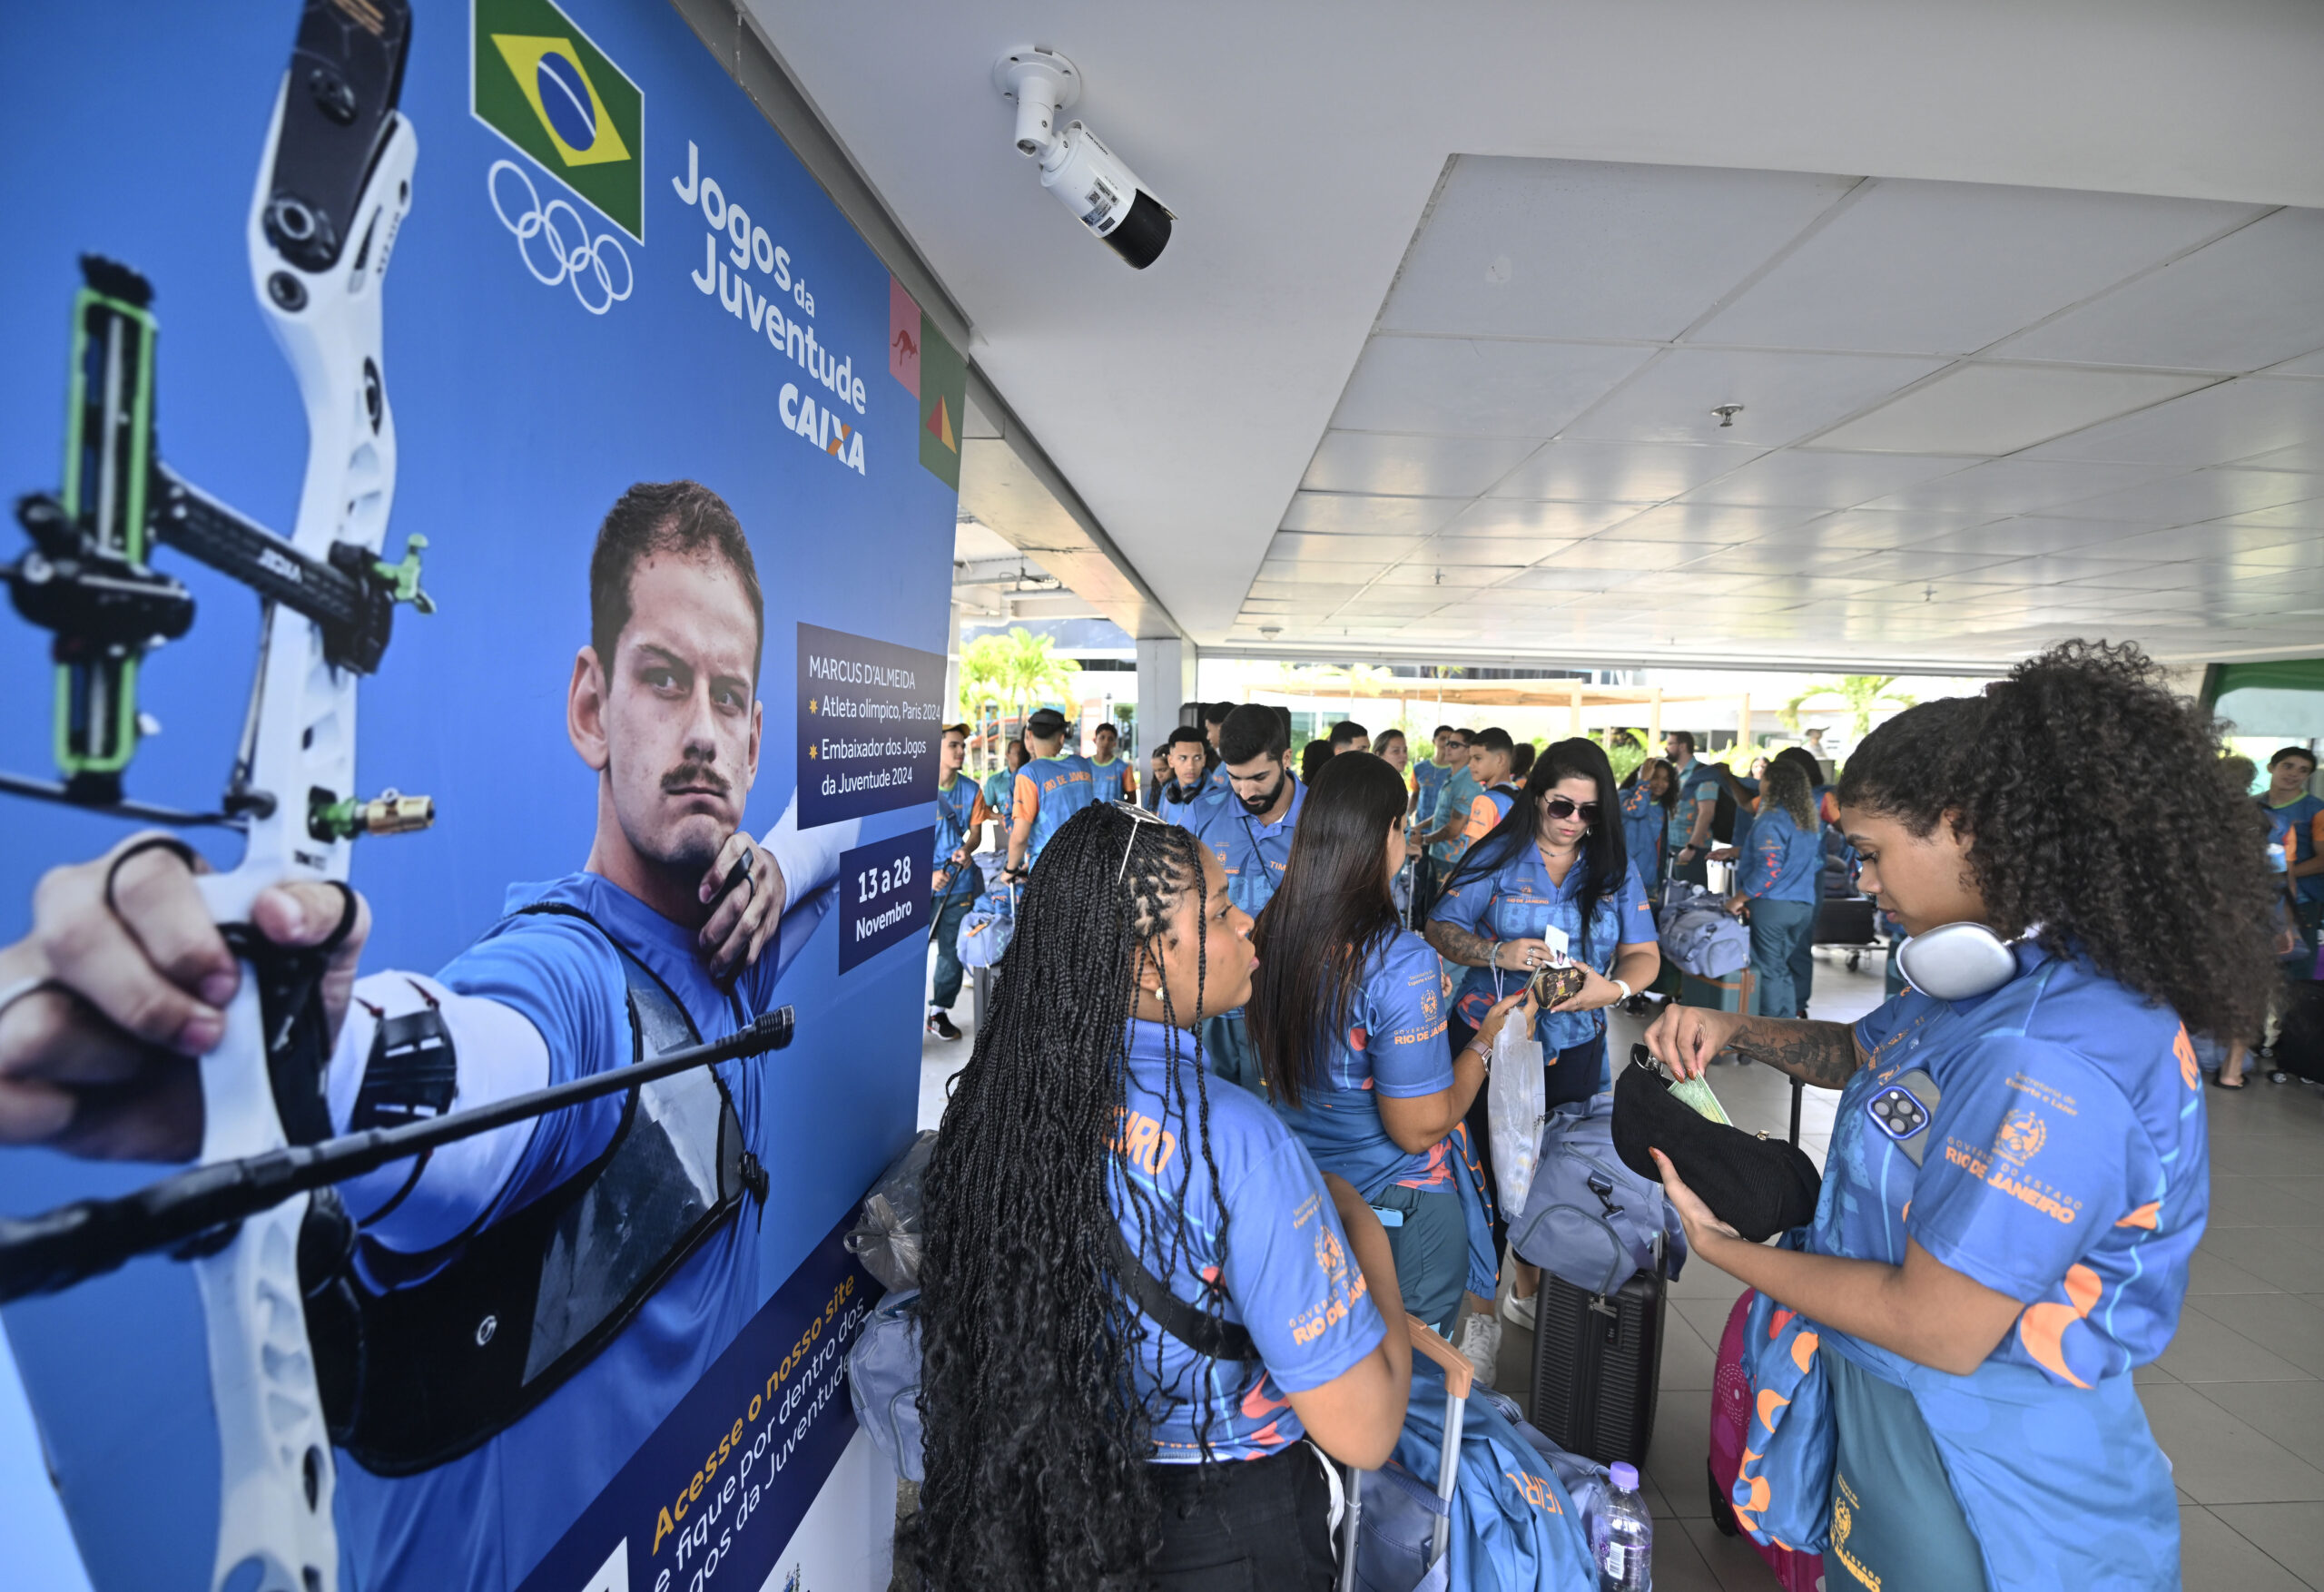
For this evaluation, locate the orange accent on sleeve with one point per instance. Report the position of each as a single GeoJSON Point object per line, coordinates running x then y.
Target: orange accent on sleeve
{"type": "Point", "coordinates": [1028, 799]}
{"type": "Point", "coordinates": [2043, 1327]}
{"type": "Point", "coordinates": [1129, 784]}
{"type": "Point", "coordinates": [2147, 1215]}
{"type": "Point", "coordinates": [979, 813]}
{"type": "Point", "coordinates": [1482, 816]}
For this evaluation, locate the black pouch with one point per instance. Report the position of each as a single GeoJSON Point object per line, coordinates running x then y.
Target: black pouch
{"type": "Point", "coordinates": [1759, 1186]}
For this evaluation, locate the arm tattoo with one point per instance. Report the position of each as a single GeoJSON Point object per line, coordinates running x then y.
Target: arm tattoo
{"type": "Point", "coordinates": [1471, 951]}
{"type": "Point", "coordinates": [1822, 1054]}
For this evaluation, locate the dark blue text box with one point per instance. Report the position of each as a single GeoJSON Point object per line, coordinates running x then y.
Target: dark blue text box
{"type": "Point", "coordinates": [870, 718]}
{"type": "Point", "coordinates": [883, 896]}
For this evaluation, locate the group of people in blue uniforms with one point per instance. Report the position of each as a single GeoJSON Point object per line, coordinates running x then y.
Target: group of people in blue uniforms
{"type": "Point", "coordinates": [1947, 1347]}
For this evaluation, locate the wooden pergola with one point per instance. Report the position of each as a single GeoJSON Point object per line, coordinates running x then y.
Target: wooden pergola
{"type": "Point", "coordinates": [1577, 697]}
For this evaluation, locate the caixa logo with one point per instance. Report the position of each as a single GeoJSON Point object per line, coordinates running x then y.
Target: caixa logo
{"type": "Point", "coordinates": [802, 416]}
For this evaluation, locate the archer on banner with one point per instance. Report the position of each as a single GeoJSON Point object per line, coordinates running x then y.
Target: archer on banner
{"type": "Point", "coordinates": [492, 1177]}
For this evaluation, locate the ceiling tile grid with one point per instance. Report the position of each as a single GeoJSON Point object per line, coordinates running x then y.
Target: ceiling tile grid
{"type": "Point", "coordinates": [1863, 418]}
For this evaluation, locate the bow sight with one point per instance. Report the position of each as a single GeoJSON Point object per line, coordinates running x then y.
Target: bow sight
{"type": "Point", "coordinates": [87, 578]}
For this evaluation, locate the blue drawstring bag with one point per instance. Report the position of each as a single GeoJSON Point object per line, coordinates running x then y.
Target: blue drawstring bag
{"type": "Point", "coordinates": [883, 1382]}
{"type": "Point", "coordinates": [986, 930]}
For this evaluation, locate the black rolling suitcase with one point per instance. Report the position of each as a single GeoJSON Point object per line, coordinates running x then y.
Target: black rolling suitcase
{"type": "Point", "coordinates": [2300, 1042]}
{"type": "Point", "coordinates": [1598, 1364]}
{"type": "Point", "coordinates": [1847, 921]}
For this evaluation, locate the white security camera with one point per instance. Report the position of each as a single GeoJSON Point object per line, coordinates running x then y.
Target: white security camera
{"type": "Point", "coordinates": [1089, 179]}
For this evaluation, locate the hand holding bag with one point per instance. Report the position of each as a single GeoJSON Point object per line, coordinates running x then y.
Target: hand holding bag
{"type": "Point", "coordinates": [1757, 1185]}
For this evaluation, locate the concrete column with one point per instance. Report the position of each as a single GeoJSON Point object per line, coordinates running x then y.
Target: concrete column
{"type": "Point", "coordinates": [1166, 677]}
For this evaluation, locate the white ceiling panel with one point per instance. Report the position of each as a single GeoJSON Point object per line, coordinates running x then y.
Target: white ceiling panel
{"type": "Point", "coordinates": [1869, 530]}
{"type": "Point", "coordinates": [1503, 551]}
{"type": "Point", "coordinates": [1560, 578]}
{"type": "Point", "coordinates": [2224, 540]}
{"type": "Point", "coordinates": [1806, 479]}
{"type": "Point", "coordinates": [1478, 387]}
{"type": "Point", "coordinates": [2200, 495]}
{"type": "Point", "coordinates": [1317, 571]}
{"type": "Point", "coordinates": [1713, 524]}
{"type": "Point", "coordinates": [2251, 299]}
{"type": "Point", "coordinates": [1618, 472]}
{"type": "Point", "coordinates": [2306, 365]}
{"type": "Point", "coordinates": [1496, 516]}
{"type": "Point", "coordinates": [2307, 516]}
{"type": "Point", "coordinates": [1416, 466]}
{"type": "Point", "coordinates": [1785, 397]}
{"type": "Point", "coordinates": [2023, 537]}
{"type": "Point", "coordinates": [2018, 486]}
{"type": "Point", "coordinates": [1759, 559]}
{"type": "Point", "coordinates": [1949, 266]}
{"type": "Point", "coordinates": [1345, 514]}
{"type": "Point", "coordinates": [2000, 409]}
{"type": "Point", "coordinates": [1620, 550]}
{"type": "Point", "coordinates": [1450, 578]}
{"type": "Point", "coordinates": [2309, 457]}
{"type": "Point", "coordinates": [1308, 549]}
{"type": "Point", "coordinates": [2232, 420]}
{"type": "Point", "coordinates": [1561, 249]}
{"type": "Point", "coordinates": [1908, 563]}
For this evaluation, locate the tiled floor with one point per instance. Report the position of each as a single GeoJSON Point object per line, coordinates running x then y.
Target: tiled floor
{"type": "Point", "coordinates": [2236, 1400]}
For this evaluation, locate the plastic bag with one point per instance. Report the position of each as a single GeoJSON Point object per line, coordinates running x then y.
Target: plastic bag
{"type": "Point", "coordinates": [886, 1238]}
{"type": "Point", "coordinates": [1516, 1103]}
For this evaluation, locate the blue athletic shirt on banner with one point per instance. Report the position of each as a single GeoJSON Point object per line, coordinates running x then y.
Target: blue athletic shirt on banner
{"type": "Point", "coordinates": [1253, 853]}
{"type": "Point", "coordinates": [1290, 1278]}
{"type": "Point", "coordinates": [2066, 1165]}
{"type": "Point", "coordinates": [1780, 863]}
{"type": "Point", "coordinates": [1517, 901]}
{"type": "Point", "coordinates": [1053, 789]}
{"type": "Point", "coordinates": [426, 1530]}
{"type": "Point", "coordinates": [1394, 1046]}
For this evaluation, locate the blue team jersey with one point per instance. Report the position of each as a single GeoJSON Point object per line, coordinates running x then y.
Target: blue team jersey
{"type": "Point", "coordinates": [1053, 789]}
{"type": "Point", "coordinates": [1747, 815]}
{"type": "Point", "coordinates": [1254, 853]}
{"type": "Point", "coordinates": [1454, 795]}
{"type": "Point", "coordinates": [2300, 825]}
{"type": "Point", "coordinates": [1188, 813]}
{"type": "Point", "coordinates": [1697, 783]}
{"type": "Point", "coordinates": [1110, 779]}
{"type": "Point", "coordinates": [486, 1519]}
{"type": "Point", "coordinates": [2065, 1165]}
{"type": "Point", "coordinates": [1281, 1257]}
{"type": "Point", "coordinates": [1428, 779]}
{"type": "Point", "coordinates": [960, 808]}
{"type": "Point", "coordinates": [1216, 783]}
{"type": "Point", "coordinates": [1000, 797]}
{"type": "Point", "coordinates": [1781, 862]}
{"type": "Point", "coordinates": [1643, 832]}
{"type": "Point", "coordinates": [1517, 901]}
{"type": "Point", "coordinates": [1394, 1044]}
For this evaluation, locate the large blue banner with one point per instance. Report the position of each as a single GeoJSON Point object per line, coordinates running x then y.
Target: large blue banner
{"type": "Point", "coordinates": [607, 271]}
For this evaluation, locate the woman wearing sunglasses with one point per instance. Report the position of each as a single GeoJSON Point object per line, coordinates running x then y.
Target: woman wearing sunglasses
{"type": "Point", "coordinates": [1553, 870]}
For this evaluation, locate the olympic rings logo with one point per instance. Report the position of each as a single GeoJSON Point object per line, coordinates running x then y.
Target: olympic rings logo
{"type": "Point", "coordinates": [581, 263]}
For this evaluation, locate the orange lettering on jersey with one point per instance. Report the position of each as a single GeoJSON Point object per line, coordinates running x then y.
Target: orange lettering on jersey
{"type": "Point", "coordinates": [2184, 1049]}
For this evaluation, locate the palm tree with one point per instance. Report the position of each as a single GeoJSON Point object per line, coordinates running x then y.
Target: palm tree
{"type": "Point", "coordinates": [983, 685]}
{"type": "Point", "coordinates": [1030, 670]}
{"type": "Point", "coordinates": [1861, 694]}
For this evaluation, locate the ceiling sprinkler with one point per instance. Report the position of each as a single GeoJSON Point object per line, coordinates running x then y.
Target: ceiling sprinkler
{"type": "Point", "coordinates": [1726, 413]}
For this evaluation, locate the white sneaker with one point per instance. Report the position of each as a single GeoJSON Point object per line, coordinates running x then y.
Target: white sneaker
{"type": "Point", "coordinates": [1480, 1344]}
{"type": "Point", "coordinates": [1520, 1311]}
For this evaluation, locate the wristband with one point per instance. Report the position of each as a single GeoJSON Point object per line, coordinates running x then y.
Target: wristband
{"type": "Point", "coordinates": [1627, 993]}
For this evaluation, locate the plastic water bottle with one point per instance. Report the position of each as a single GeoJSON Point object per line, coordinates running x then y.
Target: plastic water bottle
{"type": "Point", "coordinates": [1623, 1541]}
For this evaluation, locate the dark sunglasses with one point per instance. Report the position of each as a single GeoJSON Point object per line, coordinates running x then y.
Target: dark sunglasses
{"type": "Point", "coordinates": [1566, 807]}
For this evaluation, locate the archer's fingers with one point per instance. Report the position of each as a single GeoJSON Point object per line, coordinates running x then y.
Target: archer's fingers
{"type": "Point", "coordinates": [154, 896]}
{"type": "Point", "coordinates": [713, 880]}
{"type": "Point", "coordinates": [79, 942]}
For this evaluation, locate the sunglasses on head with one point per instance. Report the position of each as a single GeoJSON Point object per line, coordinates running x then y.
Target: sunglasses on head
{"type": "Point", "coordinates": [1566, 807]}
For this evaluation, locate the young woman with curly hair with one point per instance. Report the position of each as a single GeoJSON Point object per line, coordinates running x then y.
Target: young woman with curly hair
{"type": "Point", "coordinates": [1070, 1441]}
{"type": "Point", "coordinates": [2018, 1174]}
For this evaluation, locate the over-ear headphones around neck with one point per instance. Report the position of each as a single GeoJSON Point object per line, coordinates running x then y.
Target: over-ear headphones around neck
{"type": "Point", "coordinates": [1956, 961]}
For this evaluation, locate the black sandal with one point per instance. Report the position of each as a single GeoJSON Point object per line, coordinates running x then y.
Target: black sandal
{"type": "Point", "coordinates": [2219, 1082]}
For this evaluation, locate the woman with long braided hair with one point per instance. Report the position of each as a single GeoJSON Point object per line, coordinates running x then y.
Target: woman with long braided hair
{"type": "Point", "coordinates": [1072, 1439]}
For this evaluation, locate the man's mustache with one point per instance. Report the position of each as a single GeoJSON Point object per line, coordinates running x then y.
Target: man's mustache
{"type": "Point", "coordinates": [695, 776]}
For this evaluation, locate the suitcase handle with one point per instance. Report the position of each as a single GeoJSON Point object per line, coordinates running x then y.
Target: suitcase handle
{"type": "Point", "coordinates": [1459, 1374]}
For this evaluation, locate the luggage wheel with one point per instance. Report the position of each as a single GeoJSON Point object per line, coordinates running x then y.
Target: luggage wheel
{"type": "Point", "coordinates": [1854, 958]}
{"type": "Point", "coordinates": [1722, 1510]}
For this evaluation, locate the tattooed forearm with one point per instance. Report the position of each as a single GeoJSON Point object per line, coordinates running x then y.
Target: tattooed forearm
{"type": "Point", "coordinates": [1822, 1054]}
{"type": "Point", "coordinates": [1458, 945]}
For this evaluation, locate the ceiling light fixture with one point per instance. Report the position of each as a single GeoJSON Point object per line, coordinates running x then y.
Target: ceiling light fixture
{"type": "Point", "coordinates": [1089, 179]}
{"type": "Point", "coordinates": [1726, 413]}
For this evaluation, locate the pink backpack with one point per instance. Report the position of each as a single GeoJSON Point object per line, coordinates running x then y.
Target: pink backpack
{"type": "Point", "coordinates": [1730, 1418]}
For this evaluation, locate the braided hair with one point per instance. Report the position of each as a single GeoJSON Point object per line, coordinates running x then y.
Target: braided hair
{"type": "Point", "coordinates": [2090, 799]}
{"type": "Point", "coordinates": [1037, 1449]}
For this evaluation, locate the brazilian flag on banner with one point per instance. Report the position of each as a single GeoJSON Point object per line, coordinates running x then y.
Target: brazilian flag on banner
{"type": "Point", "coordinates": [943, 390]}
{"type": "Point", "coordinates": [537, 80]}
